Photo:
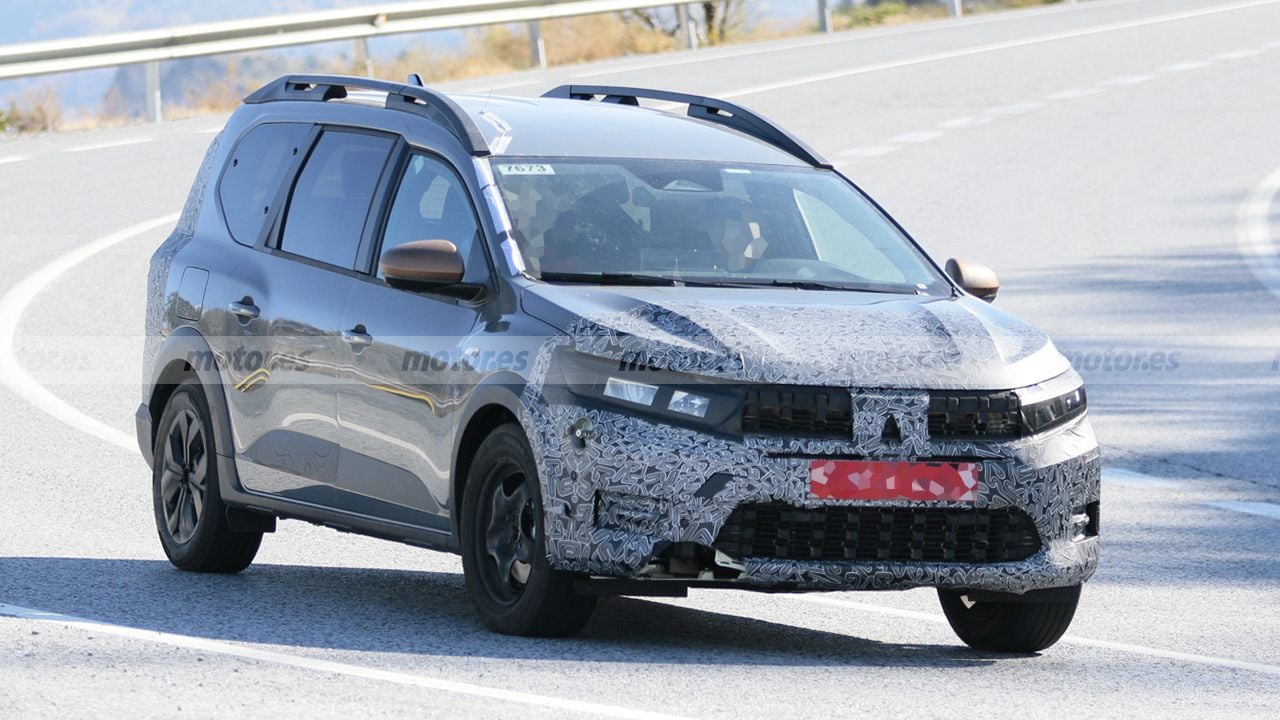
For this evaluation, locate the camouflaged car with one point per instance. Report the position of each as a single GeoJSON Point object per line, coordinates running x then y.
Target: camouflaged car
{"type": "Point", "coordinates": [599, 348]}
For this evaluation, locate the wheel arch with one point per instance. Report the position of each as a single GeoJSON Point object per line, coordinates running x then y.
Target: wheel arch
{"type": "Point", "coordinates": [494, 403]}
{"type": "Point", "coordinates": [185, 355]}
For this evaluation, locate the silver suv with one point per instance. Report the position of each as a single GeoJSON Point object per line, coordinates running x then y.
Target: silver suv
{"type": "Point", "coordinates": [600, 349]}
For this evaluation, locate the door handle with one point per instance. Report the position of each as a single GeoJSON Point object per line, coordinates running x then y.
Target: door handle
{"type": "Point", "coordinates": [357, 337]}
{"type": "Point", "coordinates": [244, 309]}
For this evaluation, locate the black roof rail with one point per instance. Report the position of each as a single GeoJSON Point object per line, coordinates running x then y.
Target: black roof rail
{"type": "Point", "coordinates": [701, 108]}
{"type": "Point", "coordinates": [410, 98]}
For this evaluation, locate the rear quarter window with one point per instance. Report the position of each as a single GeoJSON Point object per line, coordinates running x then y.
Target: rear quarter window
{"type": "Point", "coordinates": [256, 169]}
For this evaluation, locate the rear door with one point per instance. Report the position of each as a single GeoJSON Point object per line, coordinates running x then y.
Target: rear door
{"type": "Point", "coordinates": [398, 413]}
{"type": "Point", "coordinates": [290, 298]}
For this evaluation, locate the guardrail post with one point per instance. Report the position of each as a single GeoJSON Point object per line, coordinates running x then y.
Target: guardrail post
{"type": "Point", "coordinates": [955, 8]}
{"type": "Point", "coordinates": [155, 111]}
{"type": "Point", "coordinates": [685, 26]}
{"type": "Point", "coordinates": [537, 46]}
{"type": "Point", "coordinates": [824, 16]}
{"type": "Point", "coordinates": [364, 60]}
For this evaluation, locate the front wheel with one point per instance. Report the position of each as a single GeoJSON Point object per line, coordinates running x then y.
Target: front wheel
{"type": "Point", "coordinates": [512, 585]}
{"type": "Point", "coordinates": [1023, 626]}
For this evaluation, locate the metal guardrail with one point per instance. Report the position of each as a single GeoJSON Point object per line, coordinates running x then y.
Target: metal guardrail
{"type": "Point", "coordinates": [150, 47]}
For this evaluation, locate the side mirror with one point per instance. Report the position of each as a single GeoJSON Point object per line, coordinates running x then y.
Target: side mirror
{"type": "Point", "coordinates": [422, 265]}
{"type": "Point", "coordinates": [977, 280]}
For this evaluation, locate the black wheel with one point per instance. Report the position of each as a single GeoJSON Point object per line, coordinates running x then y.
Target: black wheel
{"type": "Point", "coordinates": [190, 515]}
{"type": "Point", "coordinates": [512, 585]}
{"type": "Point", "coordinates": [1025, 626]}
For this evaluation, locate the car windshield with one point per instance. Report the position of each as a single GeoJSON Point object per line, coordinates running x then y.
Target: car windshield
{"type": "Point", "coordinates": [628, 221]}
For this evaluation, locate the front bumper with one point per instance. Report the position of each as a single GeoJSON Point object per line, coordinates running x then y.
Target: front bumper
{"type": "Point", "coordinates": [637, 487]}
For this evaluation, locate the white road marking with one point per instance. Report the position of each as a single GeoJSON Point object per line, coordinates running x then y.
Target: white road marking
{"type": "Point", "coordinates": [685, 58]}
{"type": "Point", "coordinates": [1237, 54]}
{"type": "Point", "coordinates": [1069, 639]}
{"type": "Point", "coordinates": [330, 666]}
{"type": "Point", "coordinates": [917, 137]}
{"type": "Point", "coordinates": [12, 159]}
{"type": "Point", "coordinates": [105, 145]}
{"type": "Point", "coordinates": [1015, 109]}
{"type": "Point", "coordinates": [208, 131]}
{"type": "Point", "coordinates": [1264, 509]}
{"type": "Point", "coordinates": [991, 47]}
{"type": "Point", "coordinates": [1185, 66]}
{"type": "Point", "coordinates": [868, 151]}
{"type": "Point", "coordinates": [966, 121]}
{"type": "Point", "coordinates": [1128, 478]}
{"type": "Point", "coordinates": [1073, 93]}
{"type": "Point", "coordinates": [1253, 233]}
{"type": "Point", "coordinates": [13, 305]}
{"type": "Point", "coordinates": [1126, 80]}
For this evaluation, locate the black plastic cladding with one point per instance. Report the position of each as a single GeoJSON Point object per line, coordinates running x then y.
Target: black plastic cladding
{"type": "Point", "coordinates": [433, 105]}
{"type": "Point", "coordinates": [700, 108]}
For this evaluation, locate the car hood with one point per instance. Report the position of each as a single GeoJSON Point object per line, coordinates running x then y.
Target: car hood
{"type": "Point", "coordinates": [847, 339]}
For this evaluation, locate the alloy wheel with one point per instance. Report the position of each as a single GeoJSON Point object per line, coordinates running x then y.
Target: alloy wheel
{"type": "Point", "coordinates": [183, 482]}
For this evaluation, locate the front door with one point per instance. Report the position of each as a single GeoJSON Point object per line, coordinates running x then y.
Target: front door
{"type": "Point", "coordinates": [397, 408]}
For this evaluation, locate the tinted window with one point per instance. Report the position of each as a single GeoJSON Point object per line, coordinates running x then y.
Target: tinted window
{"type": "Point", "coordinates": [431, 204]}
{"type": "Point", "coordinates": [331, 198]}
{"type": "Point", "coordinates": [253, 176]}
{"type": "Point", "coordinates": [706, 221]}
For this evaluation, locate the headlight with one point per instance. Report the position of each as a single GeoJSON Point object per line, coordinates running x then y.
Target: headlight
{"type": "Point", "coordinates": [632, 392]}
{"type": "Point", "coordinates": [631, 387]}
{"type": "Point", "coordinates": [1052, 403]}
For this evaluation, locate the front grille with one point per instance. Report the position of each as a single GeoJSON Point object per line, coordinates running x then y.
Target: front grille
{"type": "Point", "coordinates": [808, 412]}
{"type": "Point", "coordinates": [974, 416]}
{"type": "Point", "coordinates": [828, 413]}
{"type": "Point", "coordinates": [865, 534]}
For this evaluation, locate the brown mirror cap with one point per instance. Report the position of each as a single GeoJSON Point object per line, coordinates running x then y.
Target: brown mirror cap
{"type": "Point", "coordinates": [976, 279]}
{"type": "Point", "coordinates": [427, 262]}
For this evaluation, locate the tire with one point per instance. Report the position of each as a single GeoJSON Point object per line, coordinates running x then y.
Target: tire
{"type": "Point", "coordinates": [512, 585]}
{"type": "Point", "coordinates": [1026, 626]}
{"type": "Point", "coordinates": [190, 515]}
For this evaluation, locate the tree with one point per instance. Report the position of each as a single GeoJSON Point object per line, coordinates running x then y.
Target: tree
{"type": "Point", "coordinates": [716, 21]}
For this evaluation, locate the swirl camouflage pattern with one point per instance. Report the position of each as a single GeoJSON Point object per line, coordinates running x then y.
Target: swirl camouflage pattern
{"type": "Point", "coordinates": [656, 470]}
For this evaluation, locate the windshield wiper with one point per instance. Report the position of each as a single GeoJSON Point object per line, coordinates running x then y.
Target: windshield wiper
{"type": "Point", "coordinates": [611, 278]}
{"type": "Point", "coordinates": [849, 287]}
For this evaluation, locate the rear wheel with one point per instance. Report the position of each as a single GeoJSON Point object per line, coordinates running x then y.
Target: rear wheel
{"type": "Point", "coordinates": [1022, 626]}
{"type": "Point", "coordinates": [190, 515]}
{"type": "Point", "coordinates": [512, 585]}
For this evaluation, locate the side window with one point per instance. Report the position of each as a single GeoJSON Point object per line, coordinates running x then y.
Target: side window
{"type": "Point", "coordinates": [254, 172]}
{"type": "Point", "coordinates": [431, 204]}
{"type": "Point", "coordinates": [332, 196]}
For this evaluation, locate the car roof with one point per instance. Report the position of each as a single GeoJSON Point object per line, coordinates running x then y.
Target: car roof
{"type": "Point", "coordinates": [553, 127]}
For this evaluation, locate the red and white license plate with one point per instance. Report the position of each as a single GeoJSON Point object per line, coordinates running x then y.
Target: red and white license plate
{"type": "Point", "coordinates": [893, 480]}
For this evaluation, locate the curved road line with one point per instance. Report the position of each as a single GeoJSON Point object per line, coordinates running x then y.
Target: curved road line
{"type": "Point", "coordinates": [12, 306]}
{"type": "Point", "coordinates": [1253, 233]}
{"type": "Point", "coordinates": [15, 303]}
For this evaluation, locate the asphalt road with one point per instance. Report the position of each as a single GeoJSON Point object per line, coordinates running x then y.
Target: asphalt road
{"type": "Point", "coordinates": [1115, 161]}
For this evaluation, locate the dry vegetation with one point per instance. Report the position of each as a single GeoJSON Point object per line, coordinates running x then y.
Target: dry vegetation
{"type": "Point", "coordinates": [491, 51]}
{"type": "Point", "coordinates": [32, 111]}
